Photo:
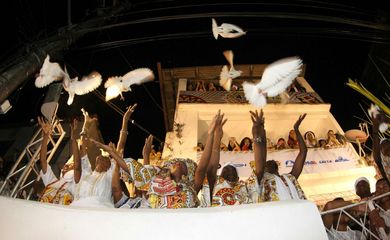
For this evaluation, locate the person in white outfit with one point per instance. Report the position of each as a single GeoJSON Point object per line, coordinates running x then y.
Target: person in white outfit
{"type": "Point", "coordinates": [57, 190]}
{"type": "Point", "coordinates": [93, 188]}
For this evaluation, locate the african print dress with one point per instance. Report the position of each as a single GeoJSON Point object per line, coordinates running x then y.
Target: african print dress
{"type": "Point", "coordinates": [225, 193]}
{"type": "Point", "coordinates": [162, 191]}
{"type": "Point", "coordinates": [275, 188]}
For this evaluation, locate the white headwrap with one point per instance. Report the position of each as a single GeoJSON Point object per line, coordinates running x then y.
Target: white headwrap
{"type": "Point", "coordinates": [361, 179]}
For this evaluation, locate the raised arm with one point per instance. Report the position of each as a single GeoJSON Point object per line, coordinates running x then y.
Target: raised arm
{"type": "Point", "coordinates": [116, 184]}
{"type": "Point", "coordinates": [147, 149]}
{"type": "Point", "coordinates": [75, 151]}
{"type": "Point", "coordinates": [124, 132]}
{"type": "Point", "coordinates": [259, 142]}
{"type": "Point", "coordinates": [301, 157]}
{"type": "Point", "coordinates": [133, 171]}
{"type": "Point", "coordinates": [110, 148]}
{"type": "Point", "coordinates": [46, 131]}
{"type": "Point", "coordinates": [212, 167]}
{"type": "Point", "coordinates": [201, 169]}
{"type": "Point", "coordinates": [88, 121]}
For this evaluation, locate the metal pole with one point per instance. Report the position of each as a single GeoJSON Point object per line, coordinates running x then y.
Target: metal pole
{"type": "Point", "coordinates": [69, 13]}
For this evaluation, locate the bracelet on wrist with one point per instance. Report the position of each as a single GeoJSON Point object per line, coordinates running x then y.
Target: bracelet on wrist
{"type": "Point", "coordinates": [124, 132]}
{"type": "Point", "coordinates": [258, 140]}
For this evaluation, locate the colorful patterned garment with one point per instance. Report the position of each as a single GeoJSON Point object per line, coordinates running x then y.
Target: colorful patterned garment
{"type": "Point", "coordinates": [172, 194]}
{"type": "Point", "coordinates": [274, 188]}
{"type": "Point", "coordinates": [57, 191]}
{"type": "Point", "coordinates": [56, 195]}
{"type": "Point", "coordinates": [191, 166]}
{"type": "Point", "coordinates": [253, 187]}
{"type": "Point", "coordinates": [140, 175]}
{"type": "Point", "coordinates": [204, 195]}
{"type": "Point", "coordinates": [130, 203]}
{"type": "Point", "coordinates": [183, 197]}
{"type": "Point", "coordinates": [60, 191]}
{"type": "Point", "coordinates": [225, 193]}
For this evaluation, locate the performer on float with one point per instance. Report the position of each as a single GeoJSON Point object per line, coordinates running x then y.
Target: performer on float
{"type": "Point", "coordinates": [92, 189]}
{"type": "Point", "coordinates": [176, 184]}
{"type": "Point", "coordinates": [276, 187]}
{"type": "Point", "coordinates": [58, 190]}
{"type": "Point", "coordinates": [226, 188]}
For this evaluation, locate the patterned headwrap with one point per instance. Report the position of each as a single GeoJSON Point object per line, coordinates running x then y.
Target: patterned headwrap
{"type": "Point", "coordinates": [191, 166]}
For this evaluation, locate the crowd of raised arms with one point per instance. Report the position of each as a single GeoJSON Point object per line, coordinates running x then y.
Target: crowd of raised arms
{"type": "Point", "coordinates": [183, 183]}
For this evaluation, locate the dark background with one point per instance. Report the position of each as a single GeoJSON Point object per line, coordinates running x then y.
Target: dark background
{"type": "Point", "coordinates": [337, 40]}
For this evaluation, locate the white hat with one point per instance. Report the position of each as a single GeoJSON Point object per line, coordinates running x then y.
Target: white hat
{"type": "Point", "coordinates": [361, 179]}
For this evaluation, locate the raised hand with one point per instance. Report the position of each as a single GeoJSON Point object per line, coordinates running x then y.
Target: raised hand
{"type": "Point", "coordinates": [213, 122]}
{"type": "Point", "coordinates": [87, 120]}
{"type": "Point", "coordinates": [148, 146]}
{"type": "Point", "coordinates": [46, 127]}
{"type": "Point", "coordinates": [299, 121]}
{"type": "Point", "coordinates": [258, 124]}
{"type": "Point", "coordinates": [147, 149]}
{"type": "Point", "coordinates": [219, 125]}
{"type": "Point", "coordinates": [108, 148]}
{"type": "Point", "coordinates": [129, 111]}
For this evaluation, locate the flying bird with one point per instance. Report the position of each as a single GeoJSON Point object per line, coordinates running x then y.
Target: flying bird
{"type": "Point", "coordinates": [277, 77]}
{"type": "Point", "coordinates": [373, 112]}
{"type": "Point", "coordinates": [52, 71]}
{"type": "Point", "coordinates": [118, 84]}
{"type": "Point", "coordinates": [227, 75]}
{"type": "Point", "coordinates": [226, 30]}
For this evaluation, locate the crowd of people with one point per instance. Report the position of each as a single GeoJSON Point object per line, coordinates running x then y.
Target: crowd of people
{"type": "Point", "coordinates": [371, 213]}
{"type": "Point", "coordinates": [174, 183]}
{"type": "Point", "coordinates": [183, 183]}
{"type": "Point", "coordinates": [333, 140]}
{"type": "Point", "coordinates": [358, 217]}
{"type": "Point", "coordinates": [204, 86]}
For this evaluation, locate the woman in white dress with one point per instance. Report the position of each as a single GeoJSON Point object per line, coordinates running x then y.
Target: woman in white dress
{"type": "Point", "coordinates": [91, 189]}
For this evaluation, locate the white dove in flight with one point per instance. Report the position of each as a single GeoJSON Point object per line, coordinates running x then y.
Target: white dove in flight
{"type": "Point", "coordinates": [51, 72]}
{"type": "Point", "coordinates": [226, 30]}
{"type": "Point", "coordinates": [277, 77]}
{"type": "Point", "coordinates": [118, 84]}
{"type": "Point", "coordinates": [226, 76]}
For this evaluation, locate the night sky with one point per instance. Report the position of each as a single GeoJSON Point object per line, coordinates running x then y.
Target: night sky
{"type": "Point", "coordinates": [333, 48]}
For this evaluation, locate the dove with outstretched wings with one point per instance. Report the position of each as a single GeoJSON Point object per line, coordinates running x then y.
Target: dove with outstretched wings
{"type": "Point", "coordinates": [227, 75]}
{"type": "Point", "coordinates": [118, 84]}
{"type": "Point", "coordinates": [51, 71]}
{"type": "Point", "coordinates": [277, 77]}
{"type": "Point", "coordinates": [226, 30]}
{"type": "Point", "coordinates": [87, 84]}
